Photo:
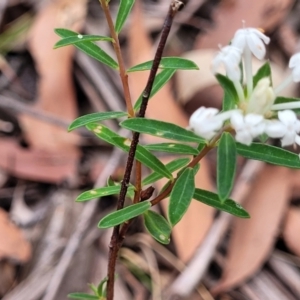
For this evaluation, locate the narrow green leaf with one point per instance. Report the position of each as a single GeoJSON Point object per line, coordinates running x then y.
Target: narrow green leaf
{"type": "Point", "coordinates": [177, 63]}
{"type": "Point", "coordinates": [263, 71]}
{"type": "Point", "coordinates": [102, 132]}
{"type": "Point", "coordinates": [83, 296]}
{"type": "Point", "coordinates": [144, 156]}
{"type": "Point", "coordinates": [157, 226]}
{"type": "Point", "coordinates": [282, 100]}
{"type": "Point", "coordinates": [171, 166]}
{"type": "Point", "coordinates": [79, 38]}
{"type": "Point", "coordinates": [172, 148]}
{"type": "Point", "coordinates": [120, 216]}
{"type": "Point", "coordinates": [160, 80]}
{"type": "Point", "coordinates": [181, 196]}
{"type": "Point", "coordinates": [269, 154]}
{"type": "Point", "coordinates": [101, 286]}
{"type": "Point", "coordinates": [213, 200]}
{"type": "Point", "coordinates": [230, 98]}
{"type": "Point", "coordinates": [123, 12]}
{"type": "Point", "coordinates": [101, 192]}
{"type": "Point", "coordinates": [96, 117]}
{"type": "Point", "coordinates": [226, 165]}
{"type": "Point", "coordinates": [93, 288]}
{"type": "Point", "coordinates": [161, 129]}
{"type": "Point", "coordinates": [89, 48]}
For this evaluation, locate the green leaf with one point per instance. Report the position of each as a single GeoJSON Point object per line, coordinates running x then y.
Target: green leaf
{"type": "Point", "coordinates": [120, 216]}
{"type": "Point", "coordinates": [161, 129]}
{"type": "Point", "coordinates": [171, 166]}
{"type": "Point", "coordinates": [144, 156]}
{"type": "Point", "coordinates": [213, 200]}
{"type": "Point", "coordinates": [101, 192]}
{"type": "Point", "coordinates": [280, 100]}
{"type": "Point", "coordinates": [94, 289]}
{"type": "Point", "coordinates": [226, 165]}
{"type": "Point", "coordinates": [158, 226]}
{"type": "Point", "coordinates": [102, 132]}
{"type": "Point", "coordinates": [172, 148]}
{"type": "Point", "coordinates": [160, 80]}
{"type": "Point", "coordinates": [83, 296]}
{"type": "Point", "coordinates": [89, 48]}
{"type": "Point", "coordinates": [176, 63]}
{"type": "Point", "coordinates": [73, 40]}
{"type": "Point", "coordinates": [263, 71]}
{"type": "Point", "coordinates": [181, 196]}
{"type": "Point", "coordinates": [101, 286]}
{"type": "Point", "coordinates": [123, 12]}
{"type": "Point", "coordinates": [230, 98]}
{"type": "Point", "coordinates": [269, 154]}
{"type": "Point", "coordinates": [96, 117]}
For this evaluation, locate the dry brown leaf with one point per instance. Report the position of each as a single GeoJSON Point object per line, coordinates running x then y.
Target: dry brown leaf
{"type": "Point", "coordinates": [252, 239]}
{"type": "Point", "coordinates": [265, 14]}
{"type": "Point", "coordinates": [36, 164]}
{"type": "Point", "coordinates": [55, 90]}
{"type": "Point", "coordinates": [291, 230]}
{"type": "Point", "coordinates": [190, 231]}
{"type": "Point", "coordinates": [13, 245]}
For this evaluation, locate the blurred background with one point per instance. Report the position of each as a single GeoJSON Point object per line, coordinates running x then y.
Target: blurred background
{"type": "Point", "coordinates": [50, 245]}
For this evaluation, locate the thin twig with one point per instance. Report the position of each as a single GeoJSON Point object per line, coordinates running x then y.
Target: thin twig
{"type": "Point", "coordinates": [117, 239]}
{"type": "Point", "coordinates": [117, 48]}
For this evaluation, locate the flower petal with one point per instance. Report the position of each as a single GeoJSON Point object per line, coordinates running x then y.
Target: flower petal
{"type": "Point", "coordinates": [288, 139]}
{"type": "Point", "coordinates": [287, 117]}
{"type": "Point", "coordinates": [256, 46]}
{"type": "Point", "coordinates": [275, 129]}
{"type": "Point", "coordinates": [237, 120]}
{"type": "Point", "coordinates": [244, 137]}
{"type": "Point", "coordinates": [253, 119]}
{"type": "Point", "coordinates": [294, 60]}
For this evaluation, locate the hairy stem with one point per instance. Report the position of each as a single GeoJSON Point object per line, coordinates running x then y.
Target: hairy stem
{"type": "Point", "coordinates": [117, 236]}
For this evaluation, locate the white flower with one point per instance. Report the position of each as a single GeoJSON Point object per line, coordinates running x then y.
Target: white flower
{"type": "Point", "coordinates": [262, 98]}
{"type": "Point", "coordinates": [204, 123]}
{"type": "Point", "coordinates": [247, 127]}
{"type": "Point", "coordinates": [252, 38]}
{"type": "Point", "coordinates": [295, 65]}
{"type": "Point", "coordinates": [230, 56]}
{"type": "Point", "coordinates": [287, 128]}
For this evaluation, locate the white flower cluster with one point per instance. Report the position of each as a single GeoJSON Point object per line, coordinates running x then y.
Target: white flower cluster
{"type": "Point", "coordinates": [255, 109]}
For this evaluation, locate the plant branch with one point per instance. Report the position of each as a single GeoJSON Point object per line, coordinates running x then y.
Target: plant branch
{"type": "Point", "coordinates": [117, 48]}
{"type": "Point", "coordinates": [117, 238]}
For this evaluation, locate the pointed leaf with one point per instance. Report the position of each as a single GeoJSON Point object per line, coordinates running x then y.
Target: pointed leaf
{"type": "Point", "coordinates": [89, 48]}
{"type": "Point", "coordinates": [160, 80]}
{"type": "Point", "coordinates": [230, 98]}
{"type": "Point", "coordinates": [120, 216]}
{"type": "Point", "coordinates": [101, 192]}
{"type": "Point", "coordinates": [263, 71]}
{"type": "Point", "coordinates": [101, 286]}
{"type": "Point", "coordinates": [181, 196]}
{"type": "Point", "coordinates": [83, 296]}
{"type": "Point", "coordinates": [102, 132]}
{"type": "Point", "coordinates": [123, 12]}
{"type": "Point", "coordinates": [167, 63]}
{"type": "Point", "coordinates": [96, 117]}
{"type": "Point", "coordinates": [213, 200]}
{"type": "Point", "coordinates": [226, 165]}
{"type": "Point", "coordinates": [144, 156]}
{"type": "Point", "coordinates": [158, 226]}
{"type": "Point", "coordinates": [79, 38]}
{"type": "Point", "coordinates": [269, 154]}
{"type": "Point", "coordinates": [161, 129]}
{"type": "Point", "coordinates": [172, 148]}
{"type": "Point", "coordinates": [171, 166]}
